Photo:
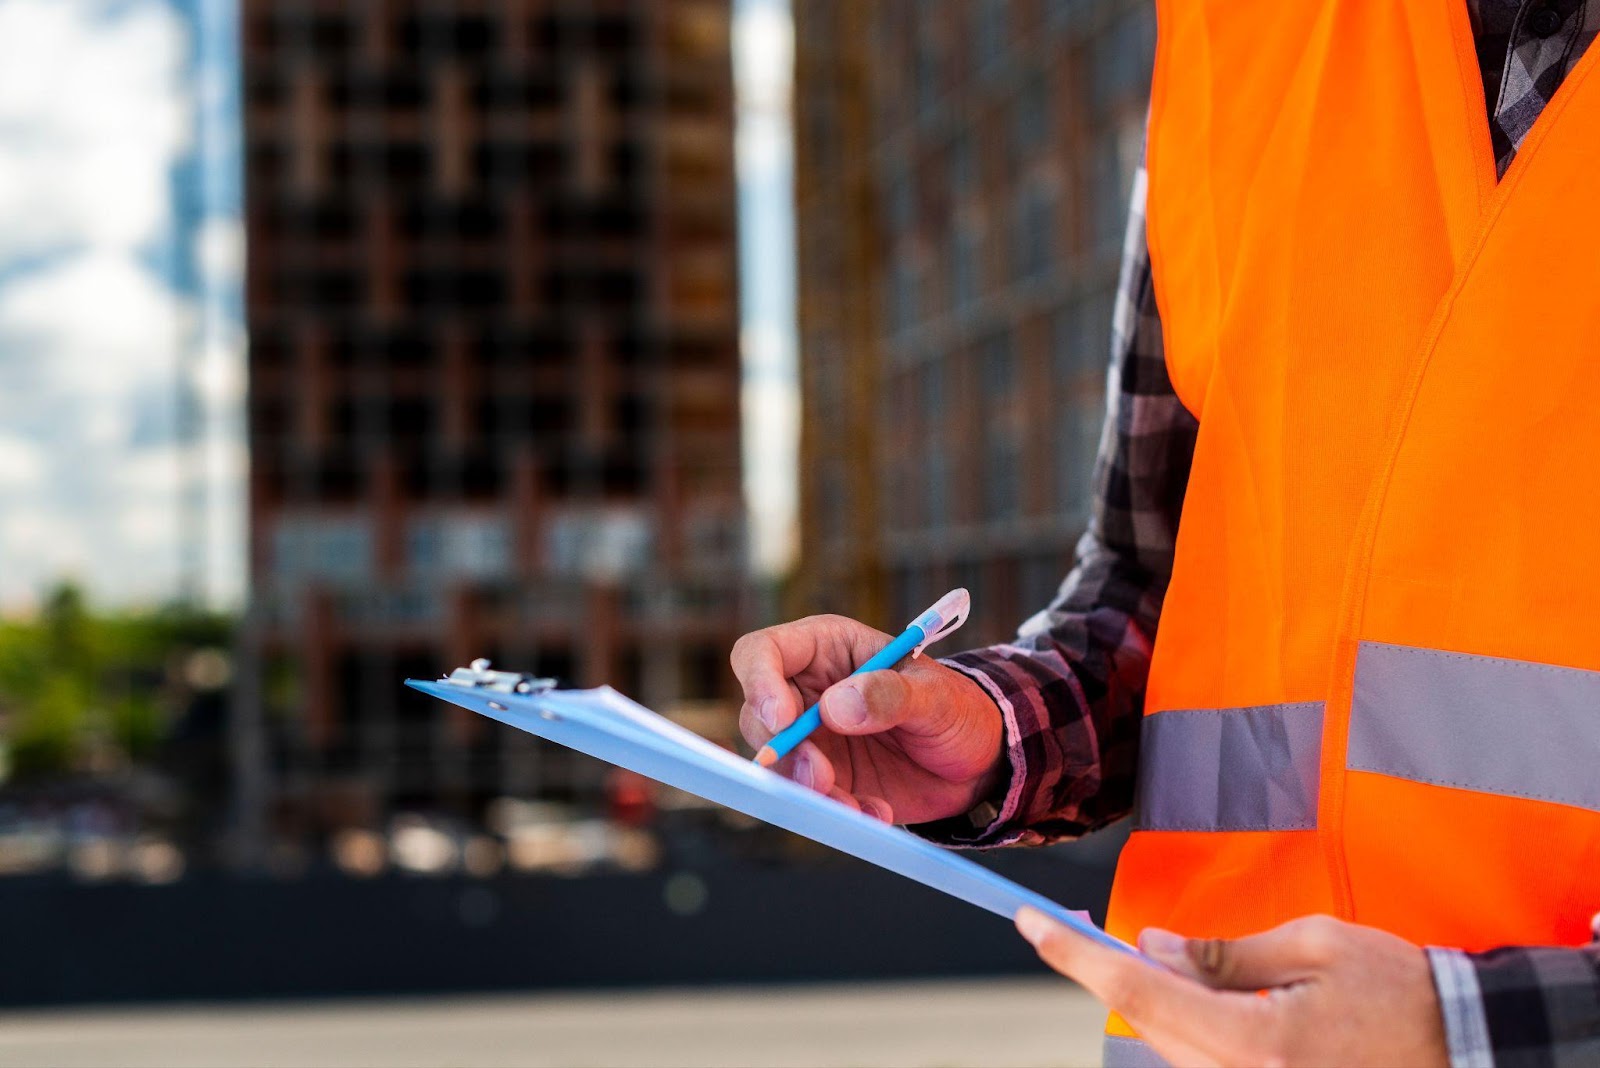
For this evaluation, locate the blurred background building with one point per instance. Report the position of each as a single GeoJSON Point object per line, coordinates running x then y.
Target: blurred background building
{"type": "Point", "coordinates": [494, 380]}
{"type": "Point", "coordinates": [523, 382]}
{"type": "Point", "coordinates": [962, 179]}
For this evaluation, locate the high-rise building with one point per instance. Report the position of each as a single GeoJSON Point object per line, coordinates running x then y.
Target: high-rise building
{"type": "Point", "coordinates": [962, 178]}
{"type": "Point", "coordinates": [494, 379]}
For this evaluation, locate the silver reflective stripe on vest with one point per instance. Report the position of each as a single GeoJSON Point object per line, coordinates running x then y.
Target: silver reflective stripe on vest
{"type": "Point", "coordinates": [1120, 1051]}
{"type": "Point", "coordinates": [1477, 723]}
{"type": "Point", "coordinates": [1232, 769]}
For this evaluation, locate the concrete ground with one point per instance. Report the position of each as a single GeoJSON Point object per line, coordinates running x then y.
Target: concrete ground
{"type": "Point", "coordinates": [979, 1023]}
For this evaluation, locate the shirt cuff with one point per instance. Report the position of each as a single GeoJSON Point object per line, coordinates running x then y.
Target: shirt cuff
{"type": "Point", "coordinates": [1466, 1028]}
{"type": "Point", "coordinates": [1541, 1004]}
{"type": "Point", "coordinates": [994, 820]}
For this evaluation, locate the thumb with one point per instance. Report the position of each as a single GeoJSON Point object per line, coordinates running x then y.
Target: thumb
{"type": "Point", "coordinates": [1283, 955]}
{"type": "Point", "coordinates": [867, 703]}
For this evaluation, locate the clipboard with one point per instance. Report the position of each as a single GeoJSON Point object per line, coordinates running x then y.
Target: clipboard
{"type": "Point", "coordinates": [604, 724]}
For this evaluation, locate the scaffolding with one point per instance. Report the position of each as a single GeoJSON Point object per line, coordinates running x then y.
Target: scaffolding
{"type": "Point", "coordinates": [494, 384]}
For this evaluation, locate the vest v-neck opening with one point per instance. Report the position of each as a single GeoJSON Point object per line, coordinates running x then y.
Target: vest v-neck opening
{"type": "Point", "coordinates": [1479, 147]}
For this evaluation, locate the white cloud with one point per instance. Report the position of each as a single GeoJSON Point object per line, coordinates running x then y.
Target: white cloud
{"type": "Point", "coordinates": [22, 464]}
{"type": "Point", "coordinates": [91, 117]}
{"type": "Point", "coordinates": [763, 58]}
{"type": "Point", "coordinates": [763, 55]}
{"type": "Point", "coordinates": [99, 322]}
{"type": "Point", "coordinates": [94, 114]}
{"type": "Point", "coordinates": [150, 474]}
{"type": "Point", "coordinates": [763, 147]}
{"type": "Point", "coordinates": [219, 250]}
{"type": "Point", "coordinates": [41, 542]}
{"type": "Point", "coordinates": [763, 64]}
{"type": "Point", "coordinates": [87, 381]}
{"type": "Point", "coordinates": [769, 471]}
{"type": "Point", "coordinates": [767, 351]}
{"type": "Point", "coordinates": [146, 528]}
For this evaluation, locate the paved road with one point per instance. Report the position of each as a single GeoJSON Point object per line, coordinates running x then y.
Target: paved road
{"type": "Point", "coordinates": [979, 1023]}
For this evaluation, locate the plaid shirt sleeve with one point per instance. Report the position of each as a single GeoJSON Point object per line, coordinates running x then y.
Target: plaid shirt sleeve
{"type": "Point", "coordinates": [1071, 685]}
{"type": "Point", "coordinates": [1520, 1006]}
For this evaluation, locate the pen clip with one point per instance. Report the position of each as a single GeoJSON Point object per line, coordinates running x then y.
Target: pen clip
{"type": "Point", "coordinates": [946, 616]}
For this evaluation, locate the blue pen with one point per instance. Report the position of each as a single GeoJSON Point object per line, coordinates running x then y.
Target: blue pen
{"type": "Point", "coordinates": [948, 613]}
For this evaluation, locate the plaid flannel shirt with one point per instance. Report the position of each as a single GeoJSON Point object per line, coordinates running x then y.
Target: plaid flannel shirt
{"type": "Point", "coordinates": [1070, 687]}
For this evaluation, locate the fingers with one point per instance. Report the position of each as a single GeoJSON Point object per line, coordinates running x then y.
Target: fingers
{"type": "Point", "coordinates": [1215, 1023]}
{"type": "Point", "coordinates": [762, 662]}
{"type": "Point", "coordinates": [867, 704]}
{"type": "Point", "coordinates": [765, 662]}
{"type": "Point", "coordinates": [811, 768]}
{"type": "Point", "coordinates": [846, 799]}
{"type": "Point", "coordinates": [1283, 955]}
{"type": "Point", "coordinates": [877, 808]}
{"type": "Point", "coordinates": [758, 722]}
{"type": "Point", "coordinates": [1172, 950]}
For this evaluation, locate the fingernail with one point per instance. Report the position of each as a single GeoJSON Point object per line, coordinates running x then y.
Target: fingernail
{"type": "Point", "coordinates": [847, 706]}
{"type": "Point", "coordinates": [1163, 945]}
{"type": "Point", "coordinates": [802, 771]}
{"type": "Point", "coordinates": [767, 713]}
{"type": "Point", "coordinates": [1033, 925]}
{"type": "Point", "coordinates": [872, 808]}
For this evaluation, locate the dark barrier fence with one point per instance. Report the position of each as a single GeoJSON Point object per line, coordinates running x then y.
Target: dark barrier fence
{"type": "Point", "coordinates": [213, 937]}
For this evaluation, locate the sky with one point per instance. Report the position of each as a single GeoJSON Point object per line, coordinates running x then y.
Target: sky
{"type": "Point", "coordinates": [121, 259]}
{"type": "Point", "coordinates": [118, 200]}
{"type": "Point", "coordinates": [763, 65]}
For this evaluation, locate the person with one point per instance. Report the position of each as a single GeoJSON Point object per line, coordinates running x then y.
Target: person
{"type": "Point", "coordinates": [1347, 467]}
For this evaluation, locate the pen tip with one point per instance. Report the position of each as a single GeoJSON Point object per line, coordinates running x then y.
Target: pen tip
{"type": "Point", "coordinates": [766, 757]}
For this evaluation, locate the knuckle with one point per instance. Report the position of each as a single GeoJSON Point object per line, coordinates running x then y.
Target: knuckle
{"type": "Point", "coordinates": [744, 647]}
{"type": "Point", "coordinates": [1127, 994]}
{"type": "Point", "coordinates": [825, 622]}
{"type": "Point", "coordinates": [884, 689]}
{"type": "Point", "coordinates": [846, 631]}
{"type": "Point", "coordinates": [1301, 928]}
{"type": "Point", "coordinates": [1319, 934]}
{"type": "Point", "coordinates": [758, 650]}
{"type": "Point", "coordinates": [1213, 956]}
{"type": "Point", "coordinates": [1318, 923]}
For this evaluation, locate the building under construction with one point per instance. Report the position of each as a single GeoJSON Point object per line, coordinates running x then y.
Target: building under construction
{"type": "Point", "coordinates": [494, 382]}
{"type": "Point", "coordinates": [962, 176]}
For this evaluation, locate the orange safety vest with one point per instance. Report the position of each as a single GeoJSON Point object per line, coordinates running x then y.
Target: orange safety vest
{"type": "Point", "coordinates": [1376, 687]}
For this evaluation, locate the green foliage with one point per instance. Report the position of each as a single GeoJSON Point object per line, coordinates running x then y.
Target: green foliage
{"type": "Point", "coordinates": [49, 726]}
{"type": "Point", "coordinates": [74, 683]}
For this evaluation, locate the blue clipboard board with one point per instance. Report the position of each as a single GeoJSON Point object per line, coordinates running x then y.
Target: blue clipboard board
{"type": "Point", "coordinates": [605, 724]}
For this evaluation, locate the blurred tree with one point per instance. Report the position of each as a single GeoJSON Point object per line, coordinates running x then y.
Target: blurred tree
{"type": "Point", "coordinates": [48, 726]}
{"type": "Point", "coordinates": [80, 690]}
{"type": "Point", "coordinates": [65, 622]}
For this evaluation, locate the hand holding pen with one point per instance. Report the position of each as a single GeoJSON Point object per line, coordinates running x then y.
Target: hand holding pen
{"type": "Point", "coordinates": [945, 616]}
{"type": "Point", "coordinates": [908, 744]}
